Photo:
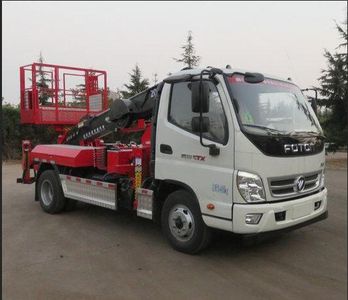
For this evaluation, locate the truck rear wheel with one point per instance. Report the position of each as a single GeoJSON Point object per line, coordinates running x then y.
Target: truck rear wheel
{"type": "Point", "coordinates": [50, 192]}
{"type": "Point", "coordinates": [182, 223]}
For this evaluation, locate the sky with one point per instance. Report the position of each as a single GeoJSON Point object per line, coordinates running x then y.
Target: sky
{"type": "Point", "coordinates": [286, 39]}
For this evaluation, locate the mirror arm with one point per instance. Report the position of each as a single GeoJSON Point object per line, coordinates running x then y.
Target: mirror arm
{"type": "Point", "coordinates": [314, 102]}
{"type": "Point", "coordinates": [213, 149]}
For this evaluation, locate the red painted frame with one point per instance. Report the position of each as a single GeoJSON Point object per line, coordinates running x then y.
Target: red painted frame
{"type": "Point", "coordinates": [58, 114]}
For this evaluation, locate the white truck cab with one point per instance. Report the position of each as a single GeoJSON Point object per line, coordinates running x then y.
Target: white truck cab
{"type": "Point", "coordinates": [259, 165]}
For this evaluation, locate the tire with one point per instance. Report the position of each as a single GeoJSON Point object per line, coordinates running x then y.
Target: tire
{"type": "Point", "coordinates": [182, 223]}
{"type": "Point", "coordinates": [50, 193]}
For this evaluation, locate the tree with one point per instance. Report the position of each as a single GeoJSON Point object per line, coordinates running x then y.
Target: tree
{"type": "Point", "coordinates": [113, 96]}
{"type": "Point", "coordinates": [333, 89]}
{"type": "Point", "coordinates": [43, 83]}
{"type": "Point", "coordinates": [14, 134]}
{"type": "Point", "coordinates": [137, 83]}
{"type": "Point", "coordinates": [79, 94]}
{"type": "Point", "coordinates": [188, 57]}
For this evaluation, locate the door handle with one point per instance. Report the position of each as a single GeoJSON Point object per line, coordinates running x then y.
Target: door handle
{"type": "Point", "coordinates": [166, 149]}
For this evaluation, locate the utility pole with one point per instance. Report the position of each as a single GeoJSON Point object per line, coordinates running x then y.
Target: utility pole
{"type": "Point", "coordinates": [155, 78]}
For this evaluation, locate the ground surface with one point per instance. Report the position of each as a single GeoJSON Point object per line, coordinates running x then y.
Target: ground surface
{"type": "Point", "coordinates": [94, 253]}
{"type": "Point", "coordinates": [336, 160]}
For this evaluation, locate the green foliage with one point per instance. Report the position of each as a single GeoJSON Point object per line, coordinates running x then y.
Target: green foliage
{"type": "Point", "coordinates": [79, 95]}
{"type": "Point", "coordinates": [334, 82]}
{"type": "Point", "coordinates": [137, 84]}
{"type": "Point", "coordinates": [14, 133]}
{"type": "Point", "coordinates": [113, 96]}
{"type": "Point", "coordinates": [188, 57]}
{"type": "Point", "coordinates": [43, 84]}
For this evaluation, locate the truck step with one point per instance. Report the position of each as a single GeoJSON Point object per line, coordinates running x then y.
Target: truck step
{"type": "Point", "coordinates": [94, 192]}
{"type": "Point", "coordinates": [145, 203]}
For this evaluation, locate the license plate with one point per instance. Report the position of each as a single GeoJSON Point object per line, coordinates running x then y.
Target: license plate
{"type": "Point", "coordinates": [302, 210]}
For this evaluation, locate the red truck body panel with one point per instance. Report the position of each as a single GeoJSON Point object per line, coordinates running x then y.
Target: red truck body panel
{"type": "Point", "coordinates": [64, 155]}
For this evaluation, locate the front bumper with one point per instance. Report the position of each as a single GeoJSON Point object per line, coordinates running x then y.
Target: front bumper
{"type": "Point", "coordinates": [299, 213]}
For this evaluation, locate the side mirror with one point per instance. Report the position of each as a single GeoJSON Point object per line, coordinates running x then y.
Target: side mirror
{"type": "Point", "coordinates": [200, 99]}
{"type": "Point", "coordinates": [195, 124]}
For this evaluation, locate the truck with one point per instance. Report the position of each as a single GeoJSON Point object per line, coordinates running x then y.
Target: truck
{"type": "Point", "coordinates": [219, 148]}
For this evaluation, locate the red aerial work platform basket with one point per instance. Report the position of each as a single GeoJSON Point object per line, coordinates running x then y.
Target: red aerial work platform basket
{"type": "Point", "coordinates": [59, 95]}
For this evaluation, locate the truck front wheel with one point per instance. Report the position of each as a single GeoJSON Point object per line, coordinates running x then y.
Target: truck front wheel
{"type": "Point", "coordinates": [182, 223]}
{"type": "Point", "coordinates": [50, 192]}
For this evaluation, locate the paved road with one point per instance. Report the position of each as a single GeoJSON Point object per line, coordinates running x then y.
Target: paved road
{"type": "Point", "coordinates": [94, 253]}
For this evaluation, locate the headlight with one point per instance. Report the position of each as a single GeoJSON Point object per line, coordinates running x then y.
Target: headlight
{"type": "Point", "coordinates": [250, 187]}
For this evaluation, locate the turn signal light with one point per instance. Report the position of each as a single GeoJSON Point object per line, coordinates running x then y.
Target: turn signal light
{"type": "Point", "coordinates": [210, 206]}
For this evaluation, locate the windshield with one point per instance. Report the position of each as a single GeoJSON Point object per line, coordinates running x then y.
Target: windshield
{"type": "Point", "coordinates": [273, 106]}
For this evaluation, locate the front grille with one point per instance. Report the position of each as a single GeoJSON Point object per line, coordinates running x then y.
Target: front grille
{"type": "Point", "coordinates": [286, 186]}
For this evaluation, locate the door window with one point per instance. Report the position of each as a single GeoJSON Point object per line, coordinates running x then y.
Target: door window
{"type": "Point", "coordinates": [180, 113]}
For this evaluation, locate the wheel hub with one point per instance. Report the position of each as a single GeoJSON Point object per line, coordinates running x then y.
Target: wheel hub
{"type": "Point", "coordinates": [47, 192]}
{"type": "Point", "coordinates": [181, 222]}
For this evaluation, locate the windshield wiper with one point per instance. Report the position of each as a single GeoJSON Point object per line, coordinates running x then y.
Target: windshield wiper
{"type": "Point", "coordinates": [304, 132]}
{"type": "Point", "coordinates": [270, 131]}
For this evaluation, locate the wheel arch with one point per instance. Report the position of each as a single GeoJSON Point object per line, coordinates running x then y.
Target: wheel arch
{"type": "Point", "coordinates": [166, 187]}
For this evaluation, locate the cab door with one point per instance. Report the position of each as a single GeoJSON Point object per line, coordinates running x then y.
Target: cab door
{"type": "Point", "coordinates": [180, 157]}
